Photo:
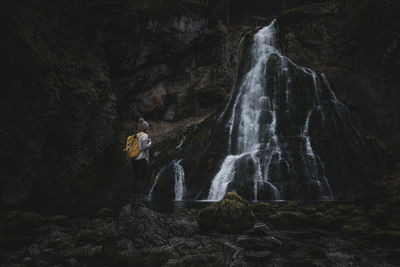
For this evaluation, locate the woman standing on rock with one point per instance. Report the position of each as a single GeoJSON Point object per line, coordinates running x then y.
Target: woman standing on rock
{"type": "Point", "coordinates": [139, 164]}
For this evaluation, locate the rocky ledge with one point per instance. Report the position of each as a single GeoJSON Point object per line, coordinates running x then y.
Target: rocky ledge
{"type": "Point", "coordinates": [280, 234]}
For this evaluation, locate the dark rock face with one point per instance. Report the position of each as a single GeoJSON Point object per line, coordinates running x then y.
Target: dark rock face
{"type": "Point", "coordinates": [57, 106]}
{"type": "Point", "coordinates": [360, 55]}
{"type": "Point", "coordinates": [151, 54]}
{"type": "Point", "coordinates": [78, 74]}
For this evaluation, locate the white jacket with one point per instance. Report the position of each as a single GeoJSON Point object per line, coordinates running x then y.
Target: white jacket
{"type": "Point", "coordinates": [144, 146]}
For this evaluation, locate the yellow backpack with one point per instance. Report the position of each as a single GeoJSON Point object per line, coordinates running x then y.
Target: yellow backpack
{"type": "Point", "coordinates": [132, 147]}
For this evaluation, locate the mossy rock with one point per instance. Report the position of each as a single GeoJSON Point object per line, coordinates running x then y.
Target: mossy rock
{"type": "Point", "coordinates": [59, 218]}
{"type": "Point", "coordinates": [388, 238]}
{"type": "Point", "coordinates": [207, 218]}
{"type": "Point", "coordinates": [334, 212]}
{"type": "Point", "coordinates": [378, 217]}
{"type": "Point", "coordinates": [306, 251]}
{"type": "Point", "coordinates": [189, 212]}
{"type": "Point", "coordinates": [105, 212]}
{"type": "Point", "coordinates": [343, 207]}
{"type": "Point", "coordinates": [357, 212]}
{"type": "Point", "coordinates": [287, 219]}
{"type": "Point", "coordinates": [329, 222]}
{"type": "Point", "coordinates": [394, 224]}
{"type": "Point", "coordinates": [394, 201]}
{"type": "Point", "coordinates": [231, 215]}
{"type": "Point", "coordinates": [15, 242]}
{"type": "Point", "coordinates": [262, 207]}
{"type": "Point", "coordinates": [234, 196]}
{"type": "Point", "coordinates": [147, 257]}
{"type": "Point", "coordinates": [355, 230]}
{"type": "Point", "coordinates": [308, 209]}
{"type": "Point", "coordinates": [23, 223]}
{"type": "Point", "coordinates": [318, 215]}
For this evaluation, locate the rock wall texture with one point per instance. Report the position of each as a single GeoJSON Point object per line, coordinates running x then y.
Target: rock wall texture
{"type": "Point", "coordinates": [56, 96]}
{"type": "Point", "coordinates": [76, 76]}
{"type": "Point", "coordinates": [356, 43]}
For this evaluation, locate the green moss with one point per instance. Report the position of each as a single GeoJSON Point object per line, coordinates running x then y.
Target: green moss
{"type": "Point", "coordinates": [150, 257]}
{"type": "Point", "coordinates": [287, 219]}
{"type": "Point", "coordinates": [309, 209]}
{"type": "Point", "coordinates": [23, 223]}
{"type": "Point", "coordinates": [394, 224]}
{"type": "Point", "coordinates": [388, 238]}
{"type": "Point", "coordinates": [232, 196]}
{"type": "Point", "coordinates": [329, 222]}
{"type": "Point", "coordinates": [59, 218]}
{"type": "Point", "coordinates": [105, 212]}
{"type": "Point", "coordinates": [355, 230]}
{"type": "Point", "coordinates": [306, 251]}
{"type": "Point", "coordinates": [395, 201]}
{"type": "Point", "coordinates": [230, 215]}
{"type": "Point", "coordinates": [289, 11]}
{"type": "Point", "coordinates": [357, 212]}
{"type": "Point", "coordinates": [15, 242]}
{"type": "Point", "coordinates": [378, 217]}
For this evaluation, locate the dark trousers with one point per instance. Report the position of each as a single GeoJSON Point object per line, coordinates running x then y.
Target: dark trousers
{"type": "Point", "coordinates": [139, 172]}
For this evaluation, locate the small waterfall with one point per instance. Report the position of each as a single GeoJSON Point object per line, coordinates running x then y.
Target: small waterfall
{"type": "Point", "coordinates": [179, 180]}
{"type": "Point", "coordinates": [179, 146]}
{"type": "Point", "coordinates": [150, 194]}
{"type": "Point", "coordinates": [255, 142]}
{"type": "Point", "coordinates": [179, 175]}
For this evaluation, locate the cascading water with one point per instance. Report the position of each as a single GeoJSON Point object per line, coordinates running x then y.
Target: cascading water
{"type": "Point", "coordinates": [150, 194]}
{"type": "Point", "coordinates": [281, 135]}
{"type": "Point", "coordinates": [255, 142]}
{"type": "Point", "coordinates": [179, 176]}
{"type": "Point", "coordinates": [179, 180]}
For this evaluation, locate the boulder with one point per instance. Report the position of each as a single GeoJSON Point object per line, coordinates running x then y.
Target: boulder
{"type": "Point", "coordinates": [258, 243]}
{"type": "Point", "coordinates": [231, 215]}
{"type": "Point", "coordinates": [148, 228]}
{"type": "Point", "coordinates": [257, 255]}
{"type": "Point", "coordinates": [287, 219]}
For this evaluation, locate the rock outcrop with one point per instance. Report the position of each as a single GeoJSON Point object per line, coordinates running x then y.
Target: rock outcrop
{"type": "Point", "coordinates": [360, 56]}
{"type": "Point", "coordinates": [231, 215]}
{"type": "Point", "coordinates": [78, 75]}
{"type": "Point", "coordinates": [142, 237]}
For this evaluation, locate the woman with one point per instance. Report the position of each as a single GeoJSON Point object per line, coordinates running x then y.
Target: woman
{"type": "Point", "coordinates": [139, 164]}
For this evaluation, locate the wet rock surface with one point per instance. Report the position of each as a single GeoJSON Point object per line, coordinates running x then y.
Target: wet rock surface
{"type": "Point", "coordinates": [359, 57]}
{"type": "Point", "coordinates": [143, 237]}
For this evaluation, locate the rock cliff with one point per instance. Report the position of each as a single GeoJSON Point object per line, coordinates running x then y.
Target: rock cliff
{"type": "Point", "coordinates": [76, 75]}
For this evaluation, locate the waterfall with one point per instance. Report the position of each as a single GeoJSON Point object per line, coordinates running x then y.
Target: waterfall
{"type": "Point", "coordinates": [283, 134]}
{"type": "Point", "coordinates": [150, 194]}
{"type": "Point", "coordinates": [179, 180]}
{"type": "Point", "coordinates": [179, 146]}
{"type": "Point", "coordinates": [263, 145]}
